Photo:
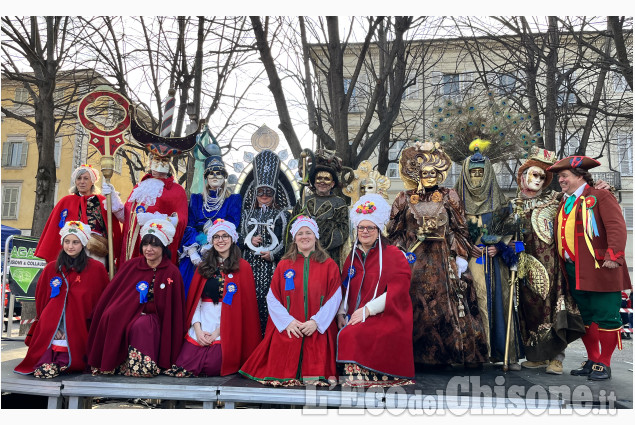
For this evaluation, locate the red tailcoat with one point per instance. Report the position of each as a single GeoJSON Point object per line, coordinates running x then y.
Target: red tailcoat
{"type": "Point", "coordinates": [609, 245]}
{"type": "Point", "coordinates": [79, 301]}
{"type": "Point", "coordinates": [279, 357]}
{"type": "Point", "coordinates": [239, 324]}
{"type": "Point", "coordinates": [173, 199]}
{"type": "Point", "coordinates": [383, 343]}
{"type": "Point", "coordinates": [119, 306]}
{"type": "Point", "coordinates": [49, 246]}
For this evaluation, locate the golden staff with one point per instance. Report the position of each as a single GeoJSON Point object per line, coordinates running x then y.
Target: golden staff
{"type": "Point", "coordinates": [106, 141]}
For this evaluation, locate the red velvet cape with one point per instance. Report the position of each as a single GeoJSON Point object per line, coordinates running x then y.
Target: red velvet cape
{"type": "Point", "coordinates": [173, 199]}
{"type": "Point", "coordinates": [85, 290]}
{"type": "Point", "coordinates": [239, 324]}
{"type": "Point", "coordinates": [278, 357]}
{"type": "Point", "coordinates": [610, 245]}
{"type": "Point", "coordinates": [49, 246]}
{"type": "Point", "coordinates": [119, 305]}
{"type": "Point", "coordinates": [383, 343]}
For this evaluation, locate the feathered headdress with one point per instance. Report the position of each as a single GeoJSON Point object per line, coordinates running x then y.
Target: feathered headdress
{"type": "Point", "coordinates": [457, 125]}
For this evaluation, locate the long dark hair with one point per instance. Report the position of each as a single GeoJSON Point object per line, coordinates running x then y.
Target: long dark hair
{"type": "Point", "coordinates": [65, 262]}
{"type": "Point", "coordinates": [209, 263]}
{"type": "Point", "coordinates": [154, 241]}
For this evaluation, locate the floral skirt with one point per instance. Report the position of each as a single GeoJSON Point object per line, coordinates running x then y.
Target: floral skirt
{"type": "Point", "coordinates": [356, 376]}
{"type": "Point", "coordinates": [298, 382]}
{"type": "Point", "coordinates": [51, 364]}
{"type": "Point", "coordinates": [143, 347]}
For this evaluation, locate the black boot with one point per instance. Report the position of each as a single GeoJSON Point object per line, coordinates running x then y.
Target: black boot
{"type": "Point", "coordinates": [600, 372]}
{"type": "Point", "coordinates": [585, 370]}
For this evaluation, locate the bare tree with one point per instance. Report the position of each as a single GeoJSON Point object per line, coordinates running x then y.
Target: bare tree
{"type": "Point", "coordinates": [353, 83]}
{"type": "Point", "coordinates": [44, 46]}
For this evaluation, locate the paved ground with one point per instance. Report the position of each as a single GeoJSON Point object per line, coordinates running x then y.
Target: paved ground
{"type": "Point", "coordinates": [490, 382]}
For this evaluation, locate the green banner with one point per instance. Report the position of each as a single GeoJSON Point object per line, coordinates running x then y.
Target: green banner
{"type": "Point", "coordinates": [24, 267]}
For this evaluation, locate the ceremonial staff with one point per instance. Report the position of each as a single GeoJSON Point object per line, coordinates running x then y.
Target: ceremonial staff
{"type": "Point", "coordinates": [519, 247]}
{"type": "Point", "coordinates": [106, 141]}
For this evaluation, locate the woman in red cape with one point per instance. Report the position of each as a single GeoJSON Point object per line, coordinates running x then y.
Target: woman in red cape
{"type": "Point", "coordinates": [84, 205]}
{"type": "Point", "coordinates": [138, 324]}
{"type": "Point", "coordinates": [222, 311]}
{"type": "Point", "coordinates": [299, 343]}
{"type": "Point", "coordinates": [375, 319]}
{"type": "Point", "coordinates": [65, 295]}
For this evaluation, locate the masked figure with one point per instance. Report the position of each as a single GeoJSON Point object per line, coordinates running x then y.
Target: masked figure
{"type": "Point", "coordinates": [263, 224]}
{"type": "Point", "coordinates": [549, 318]}
{"type": "Point", "coordinates": [428, 224]}
{"type": "Point", "coordinates": [327, 209]}
{"type": "Point", "coordinates": [204, 208]}
{"type": "Point", "coordinates": [486, 208]}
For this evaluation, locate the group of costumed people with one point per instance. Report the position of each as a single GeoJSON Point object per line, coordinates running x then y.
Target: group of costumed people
{"type": "Point", "coordinates": [291, 292]}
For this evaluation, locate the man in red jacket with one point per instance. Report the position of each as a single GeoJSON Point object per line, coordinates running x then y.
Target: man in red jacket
{"type": "Point", "coordinates": [591, 235]}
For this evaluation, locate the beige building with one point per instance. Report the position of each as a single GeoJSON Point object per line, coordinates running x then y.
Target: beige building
{"type": "Point", "coordinates": [448, 69]}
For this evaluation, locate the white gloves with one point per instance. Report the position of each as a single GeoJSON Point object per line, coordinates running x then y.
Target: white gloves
{"type": "Point", "coordinates": [117, 205]}
{"type": "Point", "coordinates": [461, 264]}
{"type": "Point", "coordinates": [195, 258]}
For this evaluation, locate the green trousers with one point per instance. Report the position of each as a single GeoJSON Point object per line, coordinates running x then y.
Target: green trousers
{"type": "Point", "coordinates": [602, 308]}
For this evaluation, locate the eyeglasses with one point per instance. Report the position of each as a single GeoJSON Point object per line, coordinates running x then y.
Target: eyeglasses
{"type": "Point", "coordinates": [368, 229]}
{"type": "Point", "coordinates": [264, 191]}
{"type": "Point", "coordinates": [219, 237]}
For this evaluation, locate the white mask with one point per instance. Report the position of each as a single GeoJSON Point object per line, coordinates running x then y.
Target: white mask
{"type": "Point", "coordinates": [160, 166]}
{"type": "Point", "coordinates": [534, 178]}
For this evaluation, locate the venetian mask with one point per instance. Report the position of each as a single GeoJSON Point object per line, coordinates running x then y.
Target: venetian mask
{"type": "Point", "coordinates": [534, 178]}
{"type": "Point", "coordinates": [215, 179]}
{"type": "Point", "coordinates": [324, 183]}
{"type": "Point", "coordinates": [429, 176]}
{"type": "Point", "coordinates": [367, 186]}
{"type": "Point", "coordinates": [159, 164]}
{"type": "Point", "coordinates": [476, 175]}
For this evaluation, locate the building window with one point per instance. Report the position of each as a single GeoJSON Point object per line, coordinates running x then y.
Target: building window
{"type": "Point", "coordinates": [571, 146]}
{"type": "Point", "coordinates": [58, 97]}
{"type": "Point", "coordinates": [625, 152]}
{"type": "Point", "coordinates": [118, 163]}
{"type": "Point", "coordinates": [450, 85]}
{"type": "Point", "coordinates": [21, 95]}
{"type": "Point", "coordinates": [628, 217]}
{"type": "Point", "coordinates": [58, 152]}
{"type": "Point", "coordinates": [565, 92]}
{"type": "Point", "coordinates": [393, 156]}
{"type": "Point", "coordinates": [353, 106]}
{"type": "Point", "coordinates": [14, 152]}
{"type": "Point", "coordinates": [10, 200]}
{"type": "Point", "coordinates": [619, 83]}
{"type": "Point", "coordinates": [453, 175]}
{"type": "Point", "coordinates": [507, 84]}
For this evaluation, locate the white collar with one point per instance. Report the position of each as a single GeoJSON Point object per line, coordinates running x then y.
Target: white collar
{"type": "Point", "coordinates": [578, 191]}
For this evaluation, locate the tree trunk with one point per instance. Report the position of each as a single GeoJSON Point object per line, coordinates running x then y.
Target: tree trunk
{"type": "Point", "coordinates": [275, 86]}
{"type": "Point", "coordinates": [551, 88]}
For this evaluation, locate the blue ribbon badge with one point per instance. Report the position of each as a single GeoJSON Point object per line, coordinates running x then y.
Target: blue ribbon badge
{"type": "Point", "coordinates": [143, 287]}
{"type": "Point", "coordinates": [230, 290]}
{"type": "Point", "coordinates": [288, 280]}
{"type": "Point", "coordinates": [349, 276]}
{"type": "Point", "coordinates": [63, 215]}
{"type": "Point", "coordinates": [56, 284]}
{"type": "Point", "coordinates": [411, 257]}
{"type": "Point", "coordinates": [140, 209]}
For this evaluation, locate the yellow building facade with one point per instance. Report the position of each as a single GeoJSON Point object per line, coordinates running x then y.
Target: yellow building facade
{"type": "Point", "coordinates": [20, 159]}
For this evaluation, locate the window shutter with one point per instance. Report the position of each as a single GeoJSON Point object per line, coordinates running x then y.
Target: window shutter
{"type": "Point", "coordinates": [5, 153]}
{"type": "Point", "coordinates": [25, 151]}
